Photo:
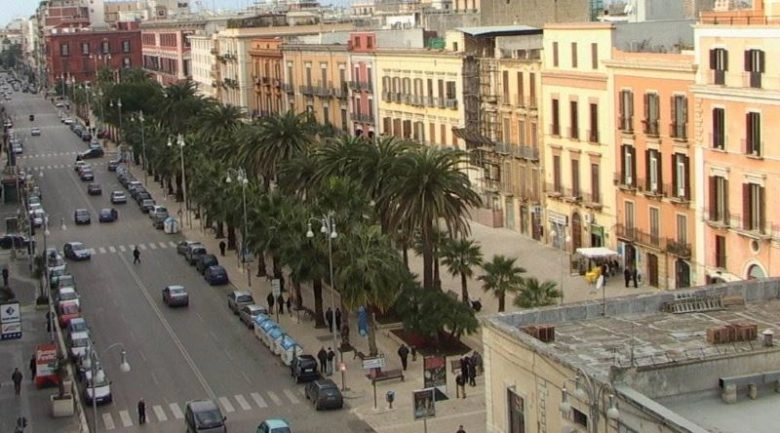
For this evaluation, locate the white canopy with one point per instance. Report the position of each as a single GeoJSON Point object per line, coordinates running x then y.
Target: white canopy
{"type": "Point", "coordinates": [596, 252]}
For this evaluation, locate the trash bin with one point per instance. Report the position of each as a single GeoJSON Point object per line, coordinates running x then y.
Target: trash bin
{"type": "Point", "coordinates": [258, 323]}
{"type": "Point", "coordinates": [171, 225]}
{"type": "Point", "coordinates": [274, 335]}
{"type": "Point", "coordinates": [266, 328]}
{"type": "Point", "coordinates": [289, 349]}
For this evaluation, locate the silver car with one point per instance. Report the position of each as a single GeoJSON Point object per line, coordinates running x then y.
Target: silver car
{"type": "Point", "coordinates": [175, 296]}
{"type": "Point", "coordinates": [239, 298]}
{"type": "Point", "coordinates": [247, 313]}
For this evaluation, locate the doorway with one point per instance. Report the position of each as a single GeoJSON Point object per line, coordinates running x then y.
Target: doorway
{"type": "Point", "coordinates": [682, 272]}
{"type": "Point", "coordinates": [652, 270]}
{"type": "Point", "coordinates": [576, 231]}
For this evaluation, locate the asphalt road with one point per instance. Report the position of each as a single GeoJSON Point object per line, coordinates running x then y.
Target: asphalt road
{"type": "Point", "coordinates": [176, 355]}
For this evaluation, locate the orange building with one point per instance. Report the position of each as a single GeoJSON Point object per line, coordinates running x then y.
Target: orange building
{"type": "Point", "coordinates": [737, 96]}
{"type": "Point", "coordinates": [269, 87]}
{"type": "Point", "coordinates": [362, 46]}
{"type": "Point", "coordinates": [654, 151]}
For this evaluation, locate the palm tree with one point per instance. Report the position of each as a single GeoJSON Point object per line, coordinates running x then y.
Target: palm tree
{"type": "Point", "coordinates": [533, 293]}
{"type": "Point", "coordinates": [181, 106]}
{"type": "Point", "coordinates": [429, 187]}
{"type": "Point", "coordinates": [460, 256]}
{"type": "Point", "coordinates": [501, 276]}
{"type": "Point", "coordinates": [216, 126]}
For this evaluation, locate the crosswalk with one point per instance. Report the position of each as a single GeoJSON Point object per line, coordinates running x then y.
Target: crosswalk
{"type": "Point", "coordinates": [145, 246]}
{"type": "Point", "coordinates": [160, 413]}
{"type": "Point", "coordinates": [47, 155]}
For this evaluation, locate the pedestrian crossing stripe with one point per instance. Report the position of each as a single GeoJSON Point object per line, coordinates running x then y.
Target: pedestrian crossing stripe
{"type": "Point", "coordinates": [226, 405]}
{"type": "Point", "coordinates": [124, 415]}
{"type": "Point", "coordinates": [275, 398]}
{"type": "Point", "coordinates": [291, 396]}
{"type": "Point", "coordinates": [153, 246]}
{"type": "Point", "coordinates": [242, 402]}
{"type": "Point", "coordinates": [177, 413]}
{"type": "Point", "coordinates": [112, 249]}
{"type": "Point", "coordinates": [108, 421]}
{"type": "Point", "coordinates": [259, 400]}
{"type": "Point", "coordinates": [160, 413]}
{"type": "Point", "coordinates": [141, 247]}
{"type": "Point", "coordinates": [122, 248]}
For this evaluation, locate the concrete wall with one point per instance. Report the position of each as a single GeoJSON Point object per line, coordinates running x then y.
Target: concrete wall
{"type": "Point", "coordinates": [657, 35]}
{"type": "Point", "coordinates": [533, 12]}
{"type": "Point", "coordinates": [441, 23]}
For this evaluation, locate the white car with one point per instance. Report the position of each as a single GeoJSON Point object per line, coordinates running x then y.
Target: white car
{"type": "Point", "coordinates": [158, 210]}
{"type": "Point", "coordinates": [79, 164]}
{"type": "Point", "coordinates": [38, 217]}
{"type": "Point", "coordinates": [35, 132]}
{"type": "Point", "coordinates": [79, 344]}
{"type": "Point", "coordinates": [68, 294]}
{"type": "Point", "coordinates": [67, 121]}
{"type": "Point", "coordinates": [100, 388]}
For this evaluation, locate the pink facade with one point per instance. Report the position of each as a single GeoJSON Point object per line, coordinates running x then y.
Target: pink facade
{"type": "Point", "coordinates": [166, 51]}
{"type": "Point", "coordinates": [362, 46]}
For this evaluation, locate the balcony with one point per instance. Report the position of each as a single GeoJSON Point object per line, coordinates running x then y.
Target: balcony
{"type": "Point", "coordinates": [625, 182]}
{"type": "Point", "coordinates": [750, 227]}
{"type": "Point", "coordinates": [503, 148]}
{"type": "Point", "coordinates": [678, 248]}
{"type": "Point", "coordinates": [555, 129]}
{"type": "Point", "coordinates": [571, 195]}
{"type": "Point", "coordinates": [752, 79]}
{"type": "Point", "coordinates": [553, 190]}
{"type": "Point", "coordinates": [650, 128]}
{"type": "Point", "coordinates": [441, 102]}
{"type": "Point", "coordinates": [677, 193]}
{"type": "Point", "coordinates": [366, 86]}
{"type": "Point", "coordinates": [573, 133]}
{"type": "Point", "coordinates": [529, 153]}
{"type": "Point", "coordinates": [363, 117]}
{"type": "Point", "coordinates": [651, 187]}
{"type": "Point", "coordinates": [626, 124]}
{"type": "Point", "coordinates": [717, 140]}
{"type": "Point", "coordinates": [341, 91]}
{"type": "Point", "coordinates": [592, 200]}
{"type": "Point", "coordinates": [633, 234]}
{"type": "Point", "coordinates": [678, 131]}
{"type": "Point", "coordinates": [386, 97]}
{"type": "Point", "coordinates": [752, 148]}
{"type": "Point", "coordinates": [306, 90]}
{"type": "Point", "coordinates": [593, 136]}
{"type": "Point", "coordinates": [288, 88]}
{"type": "Point", "coordinates": [530, 195]}
{"type": "Point", "coordinates": [491, 185]}
{"type": "Point", "coordinates": [430, 101]}
{"type": "Point", "coordinates": [451, 103]}
{"type": "Point", "coordinates": [323, 89]}
{"type": "Point", "coordinates": [718, 217]}
{"type": "Point", "coordinates": [718, 77]}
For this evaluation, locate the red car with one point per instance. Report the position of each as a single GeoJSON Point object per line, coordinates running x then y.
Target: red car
{"type": "Point", "coordinates": [66, 311]}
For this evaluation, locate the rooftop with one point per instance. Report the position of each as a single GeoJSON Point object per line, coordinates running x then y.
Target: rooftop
{"type": "Point", "coordinates": [744, 416]}
{"type": "Point", "coordinates": [491, 31]}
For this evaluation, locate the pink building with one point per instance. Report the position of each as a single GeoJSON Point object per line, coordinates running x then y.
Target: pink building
{"type": "Point", "coordinates": [166, 49]}
{"type": "Point", "coordinates": [362, 46]}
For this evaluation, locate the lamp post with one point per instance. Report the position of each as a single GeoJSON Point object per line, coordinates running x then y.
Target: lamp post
{"type": "Point", "coordinates": [563, 266]}
{"type": "Point", "coordinates": [241, 177]}
{"type": "Point", "coordinates": [181, 143]}
{"type": "Point", "coordinates": [119, 132]}
{"type": "Point", "coordinates": [328, 228]}
{"type": "Point", "coordinates": [592, 393]}
{"type": "Point", "coordinates": [143, 145]}
{"type": "Point", "coordinates": [72, 88]}
{"type": "Point", "coordinates": [124, 367]}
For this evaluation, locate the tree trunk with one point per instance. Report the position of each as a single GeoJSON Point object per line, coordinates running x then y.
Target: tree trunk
{"type": "Point", "coordinates": [464, 290]}
{"type": "Point", "coordinates": [405, 254]}
{"type": "Point", "coordinates": [261, 264]}
{"type": "Point", "coordinates": [436, 275]}
{"type": "Point", "coordinates": [220, 233]}
{"type": "Point", "coordinates": [277, 266]}
{"type": "Point", "coordinates": [298, 294]}
{"type": "Point", "coordinates": [372, 349]}
{"type": "Point", "coordinates": [319, 319]}
{"type": "Point", "coordinates": [231, 237]}
{"type": "Point", "coordinates": [170, 186]}
{"type": "Point", "coordinates": [427, 257]}
{"type": "Point", "coordinates": [344, 332]}
{"type": "Point", "coordinates": [179, 190]}
{"type": "Point", "coordinates": [501, 302]}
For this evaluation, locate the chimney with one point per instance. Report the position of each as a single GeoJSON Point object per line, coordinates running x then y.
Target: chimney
{"type": "Point", "coordinates": [768, 337]}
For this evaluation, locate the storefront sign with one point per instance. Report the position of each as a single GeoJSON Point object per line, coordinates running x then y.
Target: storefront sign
{"type": "Point", "coordinates": [557, 218]}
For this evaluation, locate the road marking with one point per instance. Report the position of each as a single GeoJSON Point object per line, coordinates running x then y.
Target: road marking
{"type": "Point", "coordinates": [154, 378]}
{"type": "Point", "coordinates": [163, 245]}
{"type": "Point", "coordinates": [160, 413]}
{"type": "Point", "coordinates": [226, 405]}
{"type": "Point", "coordinates": [172, 244]}
{"type": "Point", "coordinates": [102, 250]}
{"type": "Point", "coordinates": [112, 249]}
{"type": "Point", "coordinates": [275, 398]}
{"type": "Point", "coordinates": [153, 246]}
{"type": "Point", "coordinates": [291, 396]}
{"type": "Point", "coordinates": [108, 421]}
{"type": "Point", "coordinates": [125, 416]}
{"type": "Point", "coordinates": [227, 353]}
{"type": "Point", "coordinates": [242, 402]}
{"type": "Point", "coordinates": [259, 401]}
{"type": "Point", "coordinates": [246, 378]}
{"type": "Point", "coordinates": [177, 413]}
{"type": "Point", "coordinates": [91, 251]}
{"type": "Point", "coordinates": [122, 248]}
{"type": "Point", "coordinates": [141, 247]}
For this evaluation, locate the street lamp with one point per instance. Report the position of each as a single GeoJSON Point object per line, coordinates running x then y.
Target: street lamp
{"type": "Point", "coordinates": [181, 143]}
{"type": "Point", "coordinates": [119, 132]}
{"type": "Point", "coordinates": [143, 145]}
{"type": "Point", "coordinates": [563, 266]}
{"type": "Point", "coordinates": [328, 229]}
{"type": "Point", "coordinates": [592, 393]}
{"type": "Point", "coordinates": [241, 177]}
{"type": "Point", "coordinates": [124, 367]}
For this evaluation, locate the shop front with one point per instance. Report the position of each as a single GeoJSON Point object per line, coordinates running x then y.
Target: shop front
{"type": "Point", "coordinates": [558, 224]}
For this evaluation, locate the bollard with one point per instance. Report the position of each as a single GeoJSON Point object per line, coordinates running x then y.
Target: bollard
{"type": "Point", "coordinates": [390, 397]}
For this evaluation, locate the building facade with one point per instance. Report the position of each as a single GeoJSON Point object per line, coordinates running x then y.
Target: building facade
{"type": "Point", "coordinates": [267, 73]}
{"type": "Point", "coordinates": [579, 161]}
{"type": "Point", "coordinates": [362, 99]}
{"type": "Point", "coordinates": [205, 73]}
{"type": "Point", "coordinates": [167, 49]}
{"type": "Point", "coordinates": [534, 12]}
{"type": "Point", "coordinates": [655, 153]}
{"type": "Point", "coordinates": [737, 96]}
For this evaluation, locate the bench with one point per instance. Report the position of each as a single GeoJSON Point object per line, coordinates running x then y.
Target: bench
{"type": "Point", "coordinates": [389, 375]}
{"type": "Point", "coordinates": [361, 355]}
{"type": "Point", "coordinates": [730, 385]}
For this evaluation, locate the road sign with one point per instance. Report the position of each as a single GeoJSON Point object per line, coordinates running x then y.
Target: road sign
{"type": "Point", "coordinates": [376, 362]}
{"type": "Point", "coordinates": [10, 321]}
{"type": "Point", "coordinates": [276, 286]}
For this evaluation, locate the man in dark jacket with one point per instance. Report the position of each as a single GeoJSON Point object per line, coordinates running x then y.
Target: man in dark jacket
{"type": "Point", "coordinates": [322, 356]}
{"type": "Point", "coordinates": [403, 353]}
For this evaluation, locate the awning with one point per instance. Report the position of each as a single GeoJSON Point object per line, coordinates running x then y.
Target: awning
{"type": "Point", "coordinates": [472, 137]}
{"type": "Point", "coordinates": [596, 252]}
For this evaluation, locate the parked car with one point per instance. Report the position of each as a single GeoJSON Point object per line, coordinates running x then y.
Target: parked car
{"type": "Point", "coordinates": [204, 416]}
{"type": "Point", "coordinates": [239, 298]}
{"type": "Point", "coordinates": [146, 205]}
{"type": "Point", "coordinates": [67, 311]}
{"type": "Point", "coordinates": [82, 216]}
{"type": "Point", "coordinates": [159, 222]}
{"type": "Point", "coordinates": [66, 294]}
{"type": "Point", "coordinates": [247, 313]}
{"type": "Point", "coordinates": [76, 251]}
{"type": "Point", "coordinates": [113, 164]}
{"type": "Point", "coordinates": [15, 241]}
{"type": "Point", "coordinates": [193, 252]}
{"type": "Point", "coordinates": [175, 296]}
{"type": "Point", "coordinates": [95, 152]}
{"type": "Point", "coordinates": [304, 368]}
{"type": "Point", "coordinates": [108, 215]}
{"type": "Point", "coordinates": [204, 261]}
{"type": "Point", "coordinates": [216, 275]}
{"type": "Point", "coordinates": [77, 325]}
{"type": "Point", "coordinates": [273, 426]}
{"type": "Point", "coordinates": [94, 189]}
{"type": "Point", "coordinates": [35, 132]}
{"type": "Point", "coordinates": [79, 344]}
{"type": "Point", "coordinates": [324, 394]}
{"type": "Point", "coordinates": [99, 386]}
{"type": "Point", "coordinates": [183, 246]}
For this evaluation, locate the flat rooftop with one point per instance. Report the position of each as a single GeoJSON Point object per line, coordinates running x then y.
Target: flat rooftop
{"type": "Point", "coordinates": [744, 416]}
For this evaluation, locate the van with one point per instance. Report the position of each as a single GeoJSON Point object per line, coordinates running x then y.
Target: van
{"type": "Point", "coordinates": [204, 416]}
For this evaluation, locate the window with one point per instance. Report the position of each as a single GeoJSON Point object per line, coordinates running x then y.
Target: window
{"type": "Point", "coordinates": [753, 134]}
{"type": "Point", "coordinates": [594, 55]}
{"type": "Point", "coordinates": [682, 229]}
{"type": "Point", "coordinates": [369, 42]}
{"type": "Point", "coordinates": [557, 173]}
{"type": "Point", "coordinates": [574, 129]}
{"type": "Point", "coordinates": [652, 113]}
{"type": "Point", "coordinates": [655, 225]}
{"type": "Point", "coordinates": [555, 128]}
{"type": "Point", "coordinates": [532, 89]}
{"type": "Point", "coordinates": [575, 178]}
{"type": "Point", "coordinates": [323, 75]}
{"type": "Point", "coordinates": [593, 134]}
{"type": "Point", "coordinates": [105, 47]}
{"type": "Point", "coordinates": [578, 417]}
{"type": "Point", "coordinates": [626, 111]}
{"type": "Point", "coordinates": [370, 79]}
{"type": "Point", "coordinates": [679, 126]}
{"type": "Point", "coordinates": [64, 50]}
{"type": "Point", "coordinates": [754, 67]}
{"type": "Point", "coordinates": [127, 64]}
{"type": "Point", "coordinates": [534, 131]}
{"type": "Point", "coordinates": [356, 42]}
{"type": "Point", "coordinates": [595, 183]}
{"type": "Point", "coordinates": [290, 74]}
{"type": "Point", "coordinates": [720, 251]}
{"type": "Point", "coordinates": [653, 169]}
{"type": "Point", "coordinates": [451, 90]}
{"type": "Point", "coordinates": [719, 128]}
{"type": "Point", "coordinates": [719, 64]}
{"type": "Point", "coordinates": [521, 133]}
{"type": "Point", "coordinates": [308, 74]}
{"type": "Point", "coordinates": [628, 165]}
{"type": "Point", "coordinates": [126, 46]}
{"type": "Point", "coordinates": [555, 54]}
{"type": "Point", "coordinates": [680, 179]}
{"type": "Point", "coordinates": [753, 207]}
{"type": "Point", "coordinates": [628, 209]}
{"type": "Point", "coordinates": [516, 411]}
{"type": "Point", "coordinates": [573, 54]}
{"type": "Point", "coordinates": [520, 90]}
{"type": "Point", "coordinates": [85, 48]}
{"type": "Point", "coordinates": [505, 87]}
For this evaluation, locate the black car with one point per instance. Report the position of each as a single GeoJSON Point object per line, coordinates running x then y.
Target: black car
{"type": "Point", "coordinates": [81, 216]}
{"type": "Point", "coordinates": [141, 196]}
{"type": "Point", "coordinates": [32, 117]}
{"type": "Point", "coordinates": [158, 222]}
{"type": "Point", "coordinates": [146, 205]}
{"type": "Point", "coordinates": [86, 137]}
{"type": "Point", "coordinates": [13, 241]}
{"type": "Point", "coordinates": [112, 164]}
{"type": "Point", "coordinates": [87, 175]}
{"type": "Point", "coordinates": [304, 369]}
{"type": "Point", "coordinates": [216, 275]}
{"type": "Point", "coordinates": [107, 215]}
{"type": "Point", "coordinates": [324, 394]}
{"type": "Point", "coordinates": [193, 252]}
{"type": "Point", "coordinates": [92, 153]}
{"type": "Point", "coordinates": [94, 189]}
{"type": "Point", "coordinates": [204, 261]}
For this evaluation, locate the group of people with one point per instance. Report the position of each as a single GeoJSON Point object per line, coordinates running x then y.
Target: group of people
{"type": "Point", "coordinates": [326, 358]}
{"type": "Point", "coordinates": [333, 318]}
{"type": "Point", "coordinates": [469, 365]}
{"type": "Point", "coordinates": [280, 302]}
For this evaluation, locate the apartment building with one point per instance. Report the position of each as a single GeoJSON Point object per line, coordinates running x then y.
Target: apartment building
{"type": "Point", "coordinates": [737, 100]}
{"type": "Point", "coordinates": [654, 154]}
{"type": "Point", "coordinates": [267, 73]}
{"type": "Point", "coordinates": [167, 49]}
{"type": "Point", "coordinates": [315, 73]}
{"type": "Point", "coordinates": [205, 72]}
{"type": "Point", "coordinates": [362, 100]}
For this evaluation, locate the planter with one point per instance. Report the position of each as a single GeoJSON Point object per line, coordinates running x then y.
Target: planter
{"type": "Point", "coordinates": [61, 406]}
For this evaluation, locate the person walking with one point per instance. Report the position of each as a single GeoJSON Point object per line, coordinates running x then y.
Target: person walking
{"type": "Point", "coordinates": [471, 373]}
{"type": "Point", "coordinates": [141, 411]}
{"type": "Point", "coordinates": [403, 353]}
{"type": "Point", "coordinates": [329, 318]}
{"type": "Point", "coordinates": [17, 377]}
{"type": "Point", "coordinates": [33, 368]}
{"type": "Point", "coordinates": [5, 276]}
{"type": "Point", "coordinates": [222, 246]}
{"type": "Point", "coordinates": [337, 317]}
{"type": "Point", "coordinates": [635, 277]}
{"type": "Point", "coordinates": [627, 275]}
{"type": "Point", "coordinates": [280, 302]}
{"type": "Point", "coordinates": [270, 299]}
{"type": "Point", "coordinates": [331, 360]}
{"type": "Point", "coordinates": [136, 255]}
{"type": "Point", "coordinates": [460, 429]}
{"type": "Point", "coordinates": [322, 356]}
{"type": "Point", "coordinates": [460, 385]}
{"type": "Point", "coordinates": [48, 321]}
{"type": "Point", "coordinates": [289, 305]}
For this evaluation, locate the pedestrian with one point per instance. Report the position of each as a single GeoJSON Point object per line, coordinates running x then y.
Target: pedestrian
{"type": "Point", "coordinates": [136, 255]}
{"type": "Point", "coordinates": [331, 360]}
{"type": "Point", "coordinates": [5, 276]}
{"type": "Point", "coordinates": [337, 316]}
{"type": "Point", "coordinates": [322, 356]}
{"type": "Point", "coordinates": [635, 277]}
{"type": "Point", "coordinates": [477, 359]}
{"type": "Point", "coordinates": [460, 429]}
{"type": "Point", "coordinates": [329, 318]}
{"type": "Point", "coordinates": [33, 368]}
{"type": "Point", "coordinates": [463, 366]}
{"type": "Point", "coordinates": [17, 377]}
{"type": "Point", "coordinates": [604, 272]}
{"type": "Point", "coordinates": [270, 299]}
{"type": "Point", "coordinates": [627, 275]}
{"type": "Point", "coordinates": [460, 385]}
{"type": "Point", "coordinates": [471, 372]}
{"type": "Point", "coordinates": [222, 246]}
{"type": "Point", "coordinates": [141, 411]}
{"type": "Point", "coordinates": [280, 301]}
{"type": "Point", "coordinates": [48, 321]}
{"type": "Point", "coordinates": [289, 305]}
{"type": "Point", "coordinates": [403, 353]}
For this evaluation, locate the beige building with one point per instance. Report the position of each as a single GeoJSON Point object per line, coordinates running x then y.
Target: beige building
{"type": "Point", "coordinates": [697, 361]}
{"type": "Point", "coordinates": [205, 71]}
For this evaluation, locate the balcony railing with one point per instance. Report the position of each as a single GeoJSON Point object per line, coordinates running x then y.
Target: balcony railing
{"type": "Point", "coordinates": [526, 152]}
{"type": "Point", "coordinates": [592, 199]}
{"type": "Point", "coordinates": [363, 117]}
{"type": "Point", "coordinates": [718, 216]}
{"type": "Point", "coordinates": [593, 136]}
{"type": "Point", "coordinates": [679, 131]}
{"type": "Point", "coordinates": [678, 248]}
{"type": "Point", "coordinates": [650, 127]}
{"type": "Point", "coordinates": [451, 103]}
{"type": "Point", "coordinates": [649, 187]}
{"type": "Point", "coordinates": [341, 91]}
{"type": "Point", "coordinates": [306, 90]}
{"type": "Point", "coordinates": [573, 133]}
{"type": "Point", "coordinates": [626, 124]}
{"type": "Point", "coordinates": [634, 234]}
{"type": "Point", "coordinates": [752, 147]}
{"type": "Point", "coordinates": [718, 140]}
{"type": "Point", "coordinates": [718, 76]}
{"type": "Point", "coordinates": [287, 88]}
{"type": "Point", "coordinates": [752, 79]}
{"type": "Point", "coordinates": [677, 192]}
{"type": "Point", "coordinates": [553, 189]}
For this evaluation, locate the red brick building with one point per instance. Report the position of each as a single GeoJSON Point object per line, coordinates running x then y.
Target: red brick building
{"type": "Point", "coordinates": [80, 53]}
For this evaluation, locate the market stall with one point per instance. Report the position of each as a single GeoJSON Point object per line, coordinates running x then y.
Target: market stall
{"type": "Point", "coordinates": [592, 261]}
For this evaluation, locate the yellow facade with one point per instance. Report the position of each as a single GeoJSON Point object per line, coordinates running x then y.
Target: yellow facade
{"type": "Point", "coordinates": [317, 76]}
{"type": "Point", "coordinates": [420, 95]}
{"type": "Point", "coordinates": [266, 55]}
{"type": "Point", "coordinates": [579, 146]}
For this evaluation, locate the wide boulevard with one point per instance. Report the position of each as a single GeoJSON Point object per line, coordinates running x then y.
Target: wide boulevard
{"type": "Point", "coordinates": [200, 352]}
